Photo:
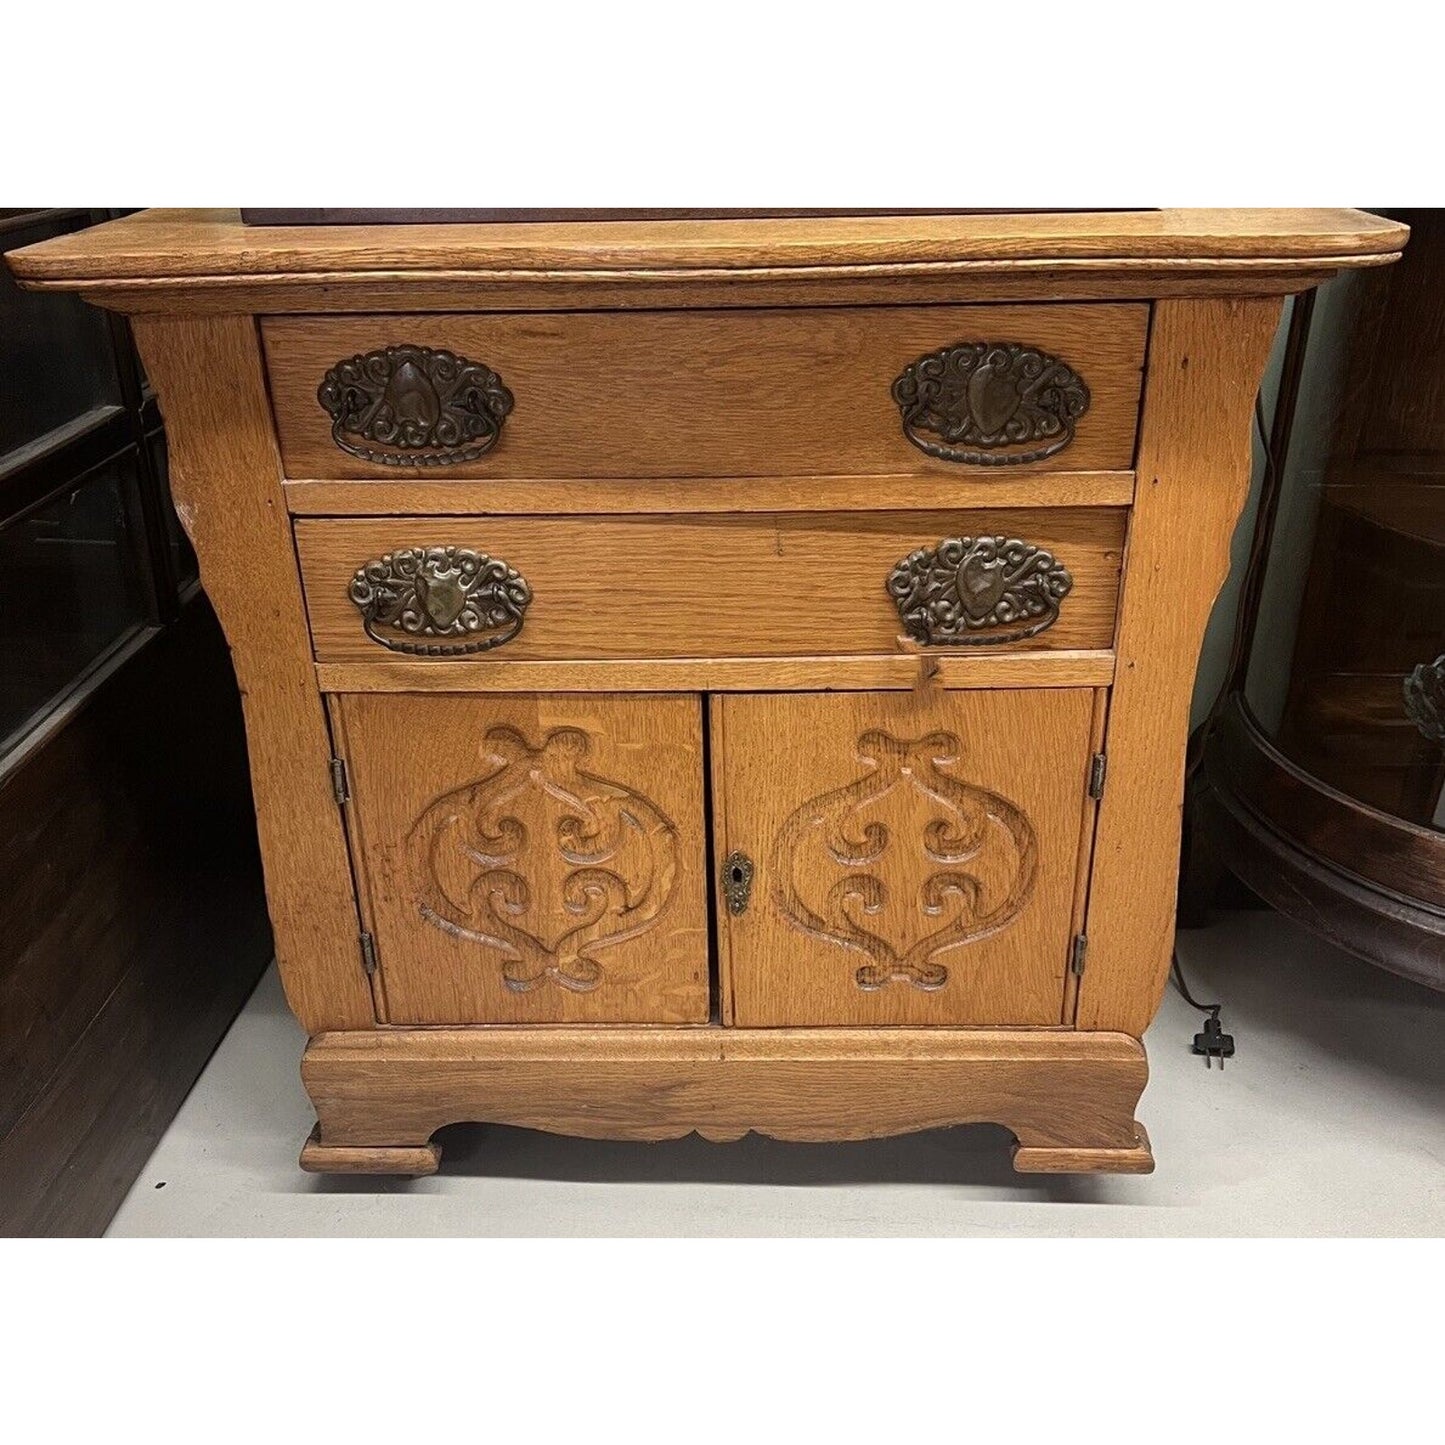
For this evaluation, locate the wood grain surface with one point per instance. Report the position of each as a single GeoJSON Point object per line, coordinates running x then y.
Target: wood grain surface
{"type": "Point", "coordinates": [709, 586]}
{"type": "Point", "coordinates": [531, 859]}
{"type": "Point", "coordinates": [901, 671]}
{"type": "Point", "coordinates": [1195, 460]}
{"type": "Point", "coordinates": [394, 496]}
{"type": "Point", "coordinates": [705, 481]}
{"type": "Point", "coordinates": [915, 854]}
{"type": "Point", "coordinates": [1060, 1093]}
{"type": "Point", "coordinates": [708, 393]}
{"type": "Point", "coordinates": [198, 245]}
{"type": "Point", "coordinates": [226, 480]}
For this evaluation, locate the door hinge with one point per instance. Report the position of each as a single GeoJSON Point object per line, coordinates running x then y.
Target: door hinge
{"type": "Point", "coordinates": [1076, 959]}
{"type": "Point", "coordinates": [1097, 770]}
{"type": "Point", "coordinates": [340, 785]}
{"type": "Point", "coordinates": [368, 953]}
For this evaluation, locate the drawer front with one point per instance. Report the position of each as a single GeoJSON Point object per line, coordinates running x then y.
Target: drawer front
{"type": "Point", "coordinates": [899, 859]}
{"type": "Point", "coordinates": [832, 391]}
{"type": "Point", "coordinates": [867, 583]}
{"type": "Point", "coordinates": [530, 859]}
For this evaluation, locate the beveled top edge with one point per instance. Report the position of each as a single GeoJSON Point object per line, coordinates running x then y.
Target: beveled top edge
{"type": "Point", "coordinates": [213, 247]}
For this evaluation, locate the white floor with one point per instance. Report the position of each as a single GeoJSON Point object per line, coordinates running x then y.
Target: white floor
{"type": "Point", "coordinates": [1330, 1120]}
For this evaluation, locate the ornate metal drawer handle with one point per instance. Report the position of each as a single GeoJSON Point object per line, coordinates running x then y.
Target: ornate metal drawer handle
{"type": "Point", "coordinates": [1425, 698]}
{"type": "Point", "coordinates": [978, 396]}
{"type": "Point", "coordinates": [972, 591]}
{"type": "Point", "coordinates": [415, 406]}
{"type": "Point", "coordinates": [448, 592]}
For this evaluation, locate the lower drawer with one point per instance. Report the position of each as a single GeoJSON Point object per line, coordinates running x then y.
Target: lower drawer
{"type": "Point", "coordinates": [754, 585]}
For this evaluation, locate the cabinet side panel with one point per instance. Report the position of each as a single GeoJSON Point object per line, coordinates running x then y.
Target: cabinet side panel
{"type": "Point", "coordinates": [226, 479]}
{"type": "Point", "coordinates": [1205, 363]}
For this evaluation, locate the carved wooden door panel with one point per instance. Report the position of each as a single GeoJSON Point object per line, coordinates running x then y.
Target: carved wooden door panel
{"type": "Point", "coordinates": [530, 859]}
{"type": "Point", "coordinates": [900, 858]}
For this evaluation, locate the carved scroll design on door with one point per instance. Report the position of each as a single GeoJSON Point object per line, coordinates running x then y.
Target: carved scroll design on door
{"type": "Point", "coordinates": [543, 863]}
{"type": "Point", "coordinates": [906, 863]}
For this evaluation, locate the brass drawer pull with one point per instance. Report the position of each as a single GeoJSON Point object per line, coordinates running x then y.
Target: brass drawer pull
{"type": "Point", "coordinates": [446, 592]}
{"type": "Point", "coordinates": [979, 396]}
{"type": "Point", "coordinates": [410, 406]}
{"type": "Point", "coordinates": [972, 591]}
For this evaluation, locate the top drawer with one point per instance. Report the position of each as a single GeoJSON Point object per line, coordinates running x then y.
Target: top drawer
{"type": "Point", "coordinates": [831, 391]}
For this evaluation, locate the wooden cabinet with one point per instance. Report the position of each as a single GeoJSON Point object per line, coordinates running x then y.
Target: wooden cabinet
{"type": "Point", "coordinates": [712, 676]}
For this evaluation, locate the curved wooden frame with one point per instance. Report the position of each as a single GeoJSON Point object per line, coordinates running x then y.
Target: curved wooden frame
{"type": "Point", "coordinates": [1333, 866]}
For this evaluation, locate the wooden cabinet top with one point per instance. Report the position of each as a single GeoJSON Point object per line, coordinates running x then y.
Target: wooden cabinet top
{"type": "Point", "coordinates": [209, 260]}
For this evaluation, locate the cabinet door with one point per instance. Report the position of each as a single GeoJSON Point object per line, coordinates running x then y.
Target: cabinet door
{"type": "Point", "coordinates": [530, 859]}
{"type": "Point", "coordinates": [914, 857]}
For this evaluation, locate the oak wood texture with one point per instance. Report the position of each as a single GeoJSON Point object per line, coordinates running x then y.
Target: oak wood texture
{"type": "Point", "coordinates": [412, 1161]}
{"type": "Point", "coordinates": [531, 859]}
{"type": "Point", "coordinates": [943, 284]}
{"type": "Point", "coordinates": [1205, 363]}
{"type": "Point", "coordinates": [706, 482]}
{"type": "Point", "coordinates": [709, 393]}
{"type": "Point", "coordinates": [394, 496]}
{"type": "Point", "coordinates": [1030, 1159]}
{"type": "Point", "coordinates": [922, 667]}
{"type": "Point", "coordinates": [1088, 822]}
{"type": "Point", "coordinates": [1068, 1097]}
{"type": "Point", "coordinates": [226, 480]}
{"type": "Point", "coordinates": [709, 586]}
{"type": "Point", "coordinates": [194, 260]}
{"type": "Point", "coordinates": [914, 862]}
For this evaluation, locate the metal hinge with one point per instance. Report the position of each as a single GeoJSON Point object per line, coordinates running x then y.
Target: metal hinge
{"type": "Point", "coordinates": [1076, 959]}
{"type": "Point", "coordinates": [368, 953]}
{"type": "Point", "coordinates": [339, 783]}
{"type": "Point", "coordinates": [1097, 770]}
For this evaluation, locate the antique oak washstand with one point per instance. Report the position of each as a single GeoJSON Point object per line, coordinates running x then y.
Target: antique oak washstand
{"type": "Point", "coordinates": [716, 675]}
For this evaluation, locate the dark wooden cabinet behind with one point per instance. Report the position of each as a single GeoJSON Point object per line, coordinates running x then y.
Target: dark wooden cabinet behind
{"type": "Point", "coordinates": [1323, 777]}
{"type": "Point", "coordinates": [132, 920]}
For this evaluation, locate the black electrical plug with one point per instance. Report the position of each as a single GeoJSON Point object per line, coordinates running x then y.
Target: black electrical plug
{"type": "Point", "coordinates": [1214, 1043]}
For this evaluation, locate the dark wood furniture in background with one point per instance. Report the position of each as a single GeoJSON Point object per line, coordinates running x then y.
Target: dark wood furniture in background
{"type": "Point", "coordinates": [1322, 782]}
{"type": "Point", "coordinates": [132, 918]}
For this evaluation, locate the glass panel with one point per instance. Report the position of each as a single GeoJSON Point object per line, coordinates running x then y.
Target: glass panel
{"type": "Point", "coordinates": [182, 557]}
{"type": "Point", "coordinates": [73, 588]}
{"type": "Point", "coordinates": [59, 362]}
{"type": "Point", "coordinates": [1354, 593]}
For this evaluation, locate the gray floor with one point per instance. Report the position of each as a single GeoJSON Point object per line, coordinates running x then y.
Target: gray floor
{"type": "Point", "coordinates": [1331, 1120]}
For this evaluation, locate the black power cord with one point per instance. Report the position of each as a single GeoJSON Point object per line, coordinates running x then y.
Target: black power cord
{"type": "Point", "coordinates": [1213, 1043]}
